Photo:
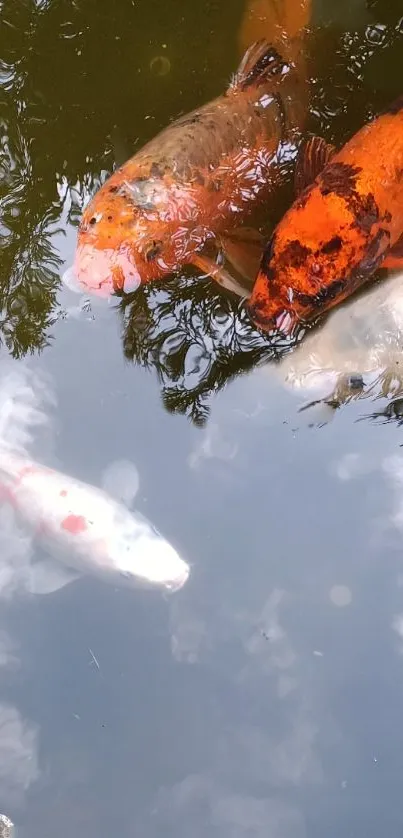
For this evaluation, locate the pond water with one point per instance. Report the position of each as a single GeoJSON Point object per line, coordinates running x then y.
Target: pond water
{"type": "Point", "coordinates": [264, 698]}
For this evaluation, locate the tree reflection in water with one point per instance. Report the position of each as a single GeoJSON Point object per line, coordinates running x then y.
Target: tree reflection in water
{"type": "Point", "coordinates": [196, 339]}
{"type": "Point", "coordinates": [76, 84]}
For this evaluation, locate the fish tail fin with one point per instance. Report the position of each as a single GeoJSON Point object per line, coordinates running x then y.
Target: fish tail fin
{"type": "Point", "coordinates": [260, 64]}
{"type": "Point", "coordinates": [22, 396]}
{"type": "Point", "coordinates": [279, 21]}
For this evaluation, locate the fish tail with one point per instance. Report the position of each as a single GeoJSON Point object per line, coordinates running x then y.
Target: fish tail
{"type": "Point", "coordinates": [278, 21]}
{"type": "Point", "coordinates": [22, 394]}
{"type": "Point", "coordinates": [260, 64]}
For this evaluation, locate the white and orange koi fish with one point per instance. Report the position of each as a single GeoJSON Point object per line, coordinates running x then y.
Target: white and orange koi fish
{"type": "Point", "coordinates": [85, 527]}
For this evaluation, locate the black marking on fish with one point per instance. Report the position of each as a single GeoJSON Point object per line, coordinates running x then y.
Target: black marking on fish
{"type": "Point", "coordinates": [332, 246]}
{"type": "Point", "coordinates": [339, 178]}
{"type": "Point", "coordinates": [255, 313]}
{"type": "Point", "coordinates": [265, 264]}
{"type": "Point", "coordinates": [322, 297]}
{"type": "Point", "coordinates": [397, 249]}
{"type": "Point", "coordinates": [365, 209]}
{"type": "Point", "coordinates": [294, 255]}
{"type": "Point", "coordinates": [373, 257]}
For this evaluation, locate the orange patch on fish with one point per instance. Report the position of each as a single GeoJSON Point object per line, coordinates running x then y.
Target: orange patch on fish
{"type": "Point", "coordinates": [74, 524]}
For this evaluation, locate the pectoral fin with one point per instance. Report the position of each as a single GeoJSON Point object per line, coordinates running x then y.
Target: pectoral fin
{"type": "Point", "coordinates": [243, 247]}
{"type": "Point", "coordinates": [220, 274]}
{"type": "Point", "coordinates": [45, 577]}
{"type": "Point", "coordinates": [313, 155]}
{"type": "Point", "coordinates": [121, 480]}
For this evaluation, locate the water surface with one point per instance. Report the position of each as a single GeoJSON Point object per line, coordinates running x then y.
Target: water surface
{"type": "Point", "coordinates": [265, 698]}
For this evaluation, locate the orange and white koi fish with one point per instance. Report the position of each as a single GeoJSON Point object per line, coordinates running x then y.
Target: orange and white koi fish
{"type": "Point", "coordinates": [90, 531]}
{"type": "Point", "coordinates": [193, 184]}
{"type": "Point", "coordinates": [343, 226]}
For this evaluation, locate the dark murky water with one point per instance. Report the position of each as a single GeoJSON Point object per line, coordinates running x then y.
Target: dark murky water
{"type": "Point", "coordinates": [264, 699]}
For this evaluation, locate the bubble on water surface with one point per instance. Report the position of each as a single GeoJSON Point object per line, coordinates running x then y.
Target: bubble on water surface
{"type": "Point", "coordinates": [70, 280]}
{"type": "Point", "coordinates": [340, 595]}
{"type": "Point", "coordinates": [160, 65]}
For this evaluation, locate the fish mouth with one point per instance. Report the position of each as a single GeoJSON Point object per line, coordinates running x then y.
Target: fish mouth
{"type": "Point", "coordinates": [176, 584]}
{"type": "Point", "coordinates": [262, 321]}
{"type": "Point", "coordinates": [284, 322]}
{"type": "Point", "coordinates": [105, 271]}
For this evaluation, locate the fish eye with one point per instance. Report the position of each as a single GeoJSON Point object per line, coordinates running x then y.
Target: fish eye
{"type": "Point", "coordinates": [152, 250]}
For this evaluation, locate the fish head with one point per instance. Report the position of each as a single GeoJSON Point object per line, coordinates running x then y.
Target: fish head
{"type": "Point", "coordinates": [123, 241]}
{"type": "Point", "coordinates": [313, 261]}
{"type": "Point", "coordinates": [143, 557]}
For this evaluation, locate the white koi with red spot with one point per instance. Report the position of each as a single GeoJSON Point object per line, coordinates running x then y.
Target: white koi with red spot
{"type": "Point", "coordinates": [88, 529]}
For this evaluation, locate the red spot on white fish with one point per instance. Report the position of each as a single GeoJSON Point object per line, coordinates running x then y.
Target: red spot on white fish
{"type": "Point", "coordinates": [25, 472]}
{"type": "Point", "coordinates": [74, 524]}
{"type": "Point", "coordinates": [63, 493]}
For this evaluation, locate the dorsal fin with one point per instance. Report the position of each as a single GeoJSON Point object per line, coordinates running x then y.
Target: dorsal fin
{"type": "Point", "coordinates": [260, 63]}
{"type": "Point", "coordinates": [313, 155]}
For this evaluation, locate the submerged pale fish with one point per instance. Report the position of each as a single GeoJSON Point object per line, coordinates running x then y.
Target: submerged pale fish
{"type": "Point", "coordinates": [357, 350]}
{"type": "Point", "coordinates": [6, 827]}
{"type": "Point", "coordinates": [87, 529]}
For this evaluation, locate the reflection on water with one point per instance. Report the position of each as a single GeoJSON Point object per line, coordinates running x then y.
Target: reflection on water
{"type": "Point", "coordinates": [264, 698]}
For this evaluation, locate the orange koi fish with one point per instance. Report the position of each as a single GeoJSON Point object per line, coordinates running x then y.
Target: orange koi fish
{"type": "Point", "coordinates": [342, 227]}
{"type": "Point", "coordinates": [193, 183]}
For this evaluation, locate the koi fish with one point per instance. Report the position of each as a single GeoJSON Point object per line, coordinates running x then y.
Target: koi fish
{"type": "Point", "coordinates": [346, 222]}
{"type": "Point", "coordinates": [193, 183]}
{"type": "Point", "coordinates": [88, 529]}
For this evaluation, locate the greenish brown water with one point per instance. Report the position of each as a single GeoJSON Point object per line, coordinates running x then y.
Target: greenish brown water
{"type": "Point", "coordinates": [265, 698]}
